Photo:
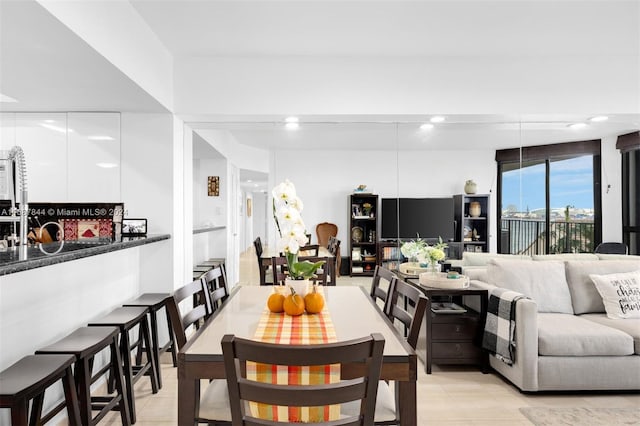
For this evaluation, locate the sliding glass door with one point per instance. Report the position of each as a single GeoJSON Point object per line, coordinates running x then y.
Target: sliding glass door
{"type": "Point", "coordinates": [548, 198]}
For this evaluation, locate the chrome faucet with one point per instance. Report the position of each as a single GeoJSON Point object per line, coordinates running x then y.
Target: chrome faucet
{"type": "Point", "coordinates": [16, 155]}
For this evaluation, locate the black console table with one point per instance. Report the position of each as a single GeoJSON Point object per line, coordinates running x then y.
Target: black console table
{"type": "Point", "coordinates": [454, 338]}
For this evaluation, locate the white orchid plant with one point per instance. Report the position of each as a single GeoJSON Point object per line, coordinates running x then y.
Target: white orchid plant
{"type": "Point", "coordinates": [287, 207]}
{"type": "Point", "coordinates": [419, 250]}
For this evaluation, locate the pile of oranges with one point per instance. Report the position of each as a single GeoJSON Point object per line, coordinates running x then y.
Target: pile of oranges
{"type": "Point", "coordinates": [293, 304]}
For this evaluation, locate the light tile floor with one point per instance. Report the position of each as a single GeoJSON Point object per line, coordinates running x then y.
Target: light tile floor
{"type": "Point", "coordinates": [451, 395]}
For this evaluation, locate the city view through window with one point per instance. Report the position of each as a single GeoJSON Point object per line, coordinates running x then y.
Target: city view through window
{"type": "Point", "coordinates": [571, 211]}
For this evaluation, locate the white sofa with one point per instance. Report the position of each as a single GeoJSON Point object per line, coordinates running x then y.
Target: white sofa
{"type": "Point", "coordinates": [564, 339]}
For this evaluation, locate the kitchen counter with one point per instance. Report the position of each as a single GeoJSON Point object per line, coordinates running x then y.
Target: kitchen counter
{"type": "Point", "coordinates": [12, 261]}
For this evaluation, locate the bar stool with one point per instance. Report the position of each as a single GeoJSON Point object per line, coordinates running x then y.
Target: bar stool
{"type": "Point", "coordinates": [126, 318]}
{"type": "Point", "coordinates": [154, 302]}
{"type": "Point", "coordinates": [28, 379]}
{"type": "Point", "coordinates": [215, 262]}
{"type": "Point", "coordinates": [84, 343]}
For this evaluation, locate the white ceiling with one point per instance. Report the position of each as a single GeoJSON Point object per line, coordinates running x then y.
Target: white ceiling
{"type": "Point", "coordinates": [48, 68]}
{"type": "Point", "coordinates": [388, 28]}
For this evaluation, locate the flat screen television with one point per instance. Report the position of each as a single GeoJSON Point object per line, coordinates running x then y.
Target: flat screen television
{"type": "Point", "coordinates": [428, 217]}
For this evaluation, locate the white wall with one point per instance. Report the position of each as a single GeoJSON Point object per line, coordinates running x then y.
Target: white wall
{"type": "Point", "coordinates": [408, 85]}
{"type": "Point", "coordinates": [209, 210]}
{"type": "Point", "coordinates": [611, 195]}
{"type": "Point", "coordinates": [117, 32]}
{"type": "Point", "coordinates": [147, 191]}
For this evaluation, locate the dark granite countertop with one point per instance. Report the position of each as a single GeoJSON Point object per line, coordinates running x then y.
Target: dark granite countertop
{"type": "Point", "coordinates": [12, 261]}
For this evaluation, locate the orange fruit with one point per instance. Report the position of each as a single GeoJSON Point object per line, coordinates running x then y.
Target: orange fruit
{"type": "Point", "coordinates": [275, 303]}
{"type": "Point", "coordinates": [293, 304]}
{"type": "Point", "coordinates": [314, 301]}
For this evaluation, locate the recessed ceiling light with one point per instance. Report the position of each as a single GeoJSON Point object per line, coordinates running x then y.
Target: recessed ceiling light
{"type": "Point", "coordinates": [249, 181]}
{"type": "Point", "coordinates": [437, 119]}
{"type": "Point", "coordinates": [107, 165]}
{"type": "Point", "coordinates": [426, 126]}
{"type": "Point", "coordinates": [291, 123]}
{"type": "Point", "coordinates": [599, 118]}
{"type": "Point", "coordinates": [49, 121]}
{"type": "Point", "coordinates": [576, 126]}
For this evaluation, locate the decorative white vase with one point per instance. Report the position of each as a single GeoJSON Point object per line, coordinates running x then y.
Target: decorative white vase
{"type": "Point", "coordinates": [470, 187]}
{"type": "Point", "coordinates": [300, 286]}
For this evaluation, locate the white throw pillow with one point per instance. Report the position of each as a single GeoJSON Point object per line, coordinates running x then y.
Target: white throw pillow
{"type": "Point", "coordinates": [544, 282]}
{"type": "Point", "coordinates": [620, 293]}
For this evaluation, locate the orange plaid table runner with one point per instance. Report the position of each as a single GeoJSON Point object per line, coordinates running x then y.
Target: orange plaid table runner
{"type": "Point", "coordinates": [304, 329]}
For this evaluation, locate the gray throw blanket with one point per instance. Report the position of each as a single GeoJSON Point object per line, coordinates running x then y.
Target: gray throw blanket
{"type": "Point", "coordinates": [499, 330]}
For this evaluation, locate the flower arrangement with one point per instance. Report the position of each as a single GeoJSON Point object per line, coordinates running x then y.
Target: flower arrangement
{"type": "Point", "coordinates": [419, 250]}
{"type": "Point", "coordinates": [286, 213]}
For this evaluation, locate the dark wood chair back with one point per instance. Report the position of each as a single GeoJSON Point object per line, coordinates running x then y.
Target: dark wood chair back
{"type": "Point", "coordinates": [334, 248]}
{"type": "Point", "coordinates": [279, 268]}
{"type": "Point", "coordinates": [611, 248]}
{"type": "Point", "coordinates": [200, 308]}
{"type": "Point", "coordinates": [310, 249]}
{"type": "Point", "coordinates": [381, 285]}
{"type": "Point", "coordinates": [322, 273]}
{"type": "Point", "coordinates": [407, 304]}
{"type": "Point", "coordinates": [217, 287]}
{"type": "Point", "coordinates": [325, 230]}
{"type": "Point", "coordinates": [362, 386]}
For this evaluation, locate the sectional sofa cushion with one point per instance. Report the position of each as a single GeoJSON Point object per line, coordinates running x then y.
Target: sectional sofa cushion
{"type": "Point", "coordinates": [606, 256]}
{"type": "Point", "coordinates": [543, 282]}
{"type": "Point", "coordinates": [571, 335]}
{"type": "Point", "coordinates": [584, 296]}
{"type": "Point", "coordinates": [481, 259]}
{"type": "Point", "coordinates": [565, 256]}
{"type": "Point", "coordinates": [629, 326]}
{"type": "Point", "coordinates": [620, 293]}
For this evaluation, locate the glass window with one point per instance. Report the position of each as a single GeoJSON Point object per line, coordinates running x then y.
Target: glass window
{"type": "Point", "coordinates": [548, 201]}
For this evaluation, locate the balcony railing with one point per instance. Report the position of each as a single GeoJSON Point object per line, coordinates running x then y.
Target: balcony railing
{"type": "Point", "coordinates": [527, 236]}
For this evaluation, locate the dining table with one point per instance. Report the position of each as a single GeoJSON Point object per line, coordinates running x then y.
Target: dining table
{"type": "Point", "coordinates": [268, 253]}
{"type": "Point", "coordinates": [354, 315]}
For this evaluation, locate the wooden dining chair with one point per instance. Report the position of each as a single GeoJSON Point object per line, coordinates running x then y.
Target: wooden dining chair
{"type": "Point", "coordinates": [407, 305]}
{"type": "Point", "coordinates": [325, 230]}
{"type": "Point", "coordinates": [196, 309]}
{"type": "Point", "coordinates": [334, 248]}
{"type": "Point", "coordinates": [213, 406]}
{"type": "Point", "coordinates": [322, 274]}
{"type": "Point", "coordinates": [279, 269]}
{"type": "Point", "coordinates": [217, 287]}
{"type": "Point", "coordinates": [362, 387]}
{"type": "Point", "coordinates": [266, 276]}
{"type": "Point", "coordinates": [310, 249]}
{"type": "Point", "coordinates": [381, 285]}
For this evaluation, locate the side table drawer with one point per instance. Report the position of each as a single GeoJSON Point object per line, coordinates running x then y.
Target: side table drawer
{"type": "Point", "coordinates": [465, 329]}
{"type": "Point", "coordinates": [455, 350]}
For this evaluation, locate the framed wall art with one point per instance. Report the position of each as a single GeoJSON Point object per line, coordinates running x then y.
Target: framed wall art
{"type": "Point", "coordinates": [134, 226]}
{"type": "Point", "coordinates": [213, 186]}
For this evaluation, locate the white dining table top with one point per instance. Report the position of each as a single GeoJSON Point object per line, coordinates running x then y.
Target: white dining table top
{"type": "Point", "coordinates": [352, 312]}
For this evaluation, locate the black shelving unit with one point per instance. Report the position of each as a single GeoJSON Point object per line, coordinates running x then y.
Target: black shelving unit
{"type": "Point", "coordinates": [363, 234]}
{"type": "Point", "coordinates": [472, 229]}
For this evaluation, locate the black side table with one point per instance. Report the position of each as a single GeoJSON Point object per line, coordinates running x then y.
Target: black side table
{"type": "Point", "coordinates": [454, 338]}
